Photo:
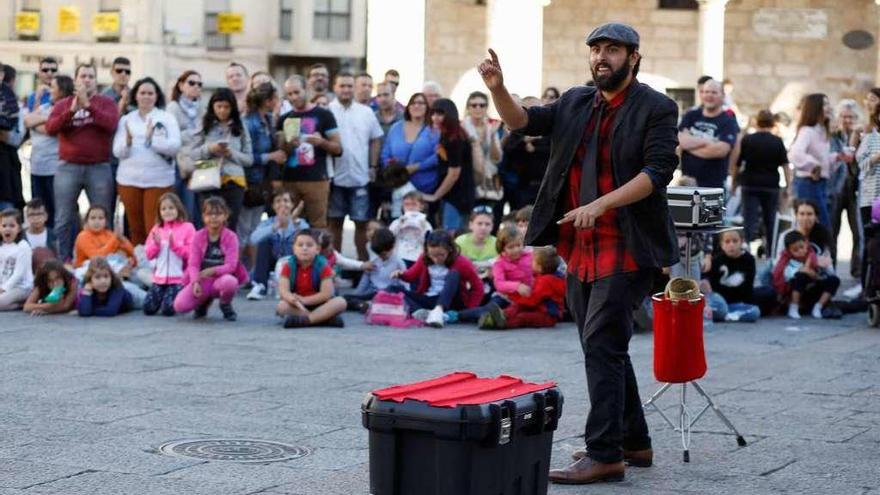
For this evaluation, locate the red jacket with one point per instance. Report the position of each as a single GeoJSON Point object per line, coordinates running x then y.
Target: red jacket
{"type": "Point", "coordinates": [548, 295]}
{"type": "Point", "coordinates": [470, 286]}
{"type": "Point", "coordinates": [84, 137]}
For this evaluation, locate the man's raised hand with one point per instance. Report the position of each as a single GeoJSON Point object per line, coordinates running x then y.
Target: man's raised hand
{"type": "Point", "coordinates": [490, 70]}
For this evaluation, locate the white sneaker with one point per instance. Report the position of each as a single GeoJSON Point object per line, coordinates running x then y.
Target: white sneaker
{"type": "Point", "coordinates": [853, 292]}
{"type": "Point", "coordinates": [817, 311]}
{"type": "Point", "coordinates": [435, 317]}
{"type": "Point", "coordinates": [793, 312]}
{"type": "Point", "coordinates": [257, 293]}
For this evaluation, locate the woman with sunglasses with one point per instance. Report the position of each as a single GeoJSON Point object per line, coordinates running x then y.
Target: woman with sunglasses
{"type": "Point", "coordinates": [456, 193]}
{"type": "Point", "coordinates": [186, 106]}
{"type": "Point", "coordinates": [485, 131]}
{"type": "Point", "coordinates": [412, 143]}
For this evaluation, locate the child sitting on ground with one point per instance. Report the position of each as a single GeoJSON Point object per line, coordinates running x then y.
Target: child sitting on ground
{"type": "Point", "coordinates": [213, 268]}
{"type": "Point", "coordinates": [478, 245]}
{"type": "Point", "coordinates": [40, 237]}
{"type": "Point", "coordinates": [410, 228]}
{"type": "Point", "coordinates": [168, 247]}
{"type": "Point", "coordinates": [542, 307]}
{"type": "Point", "coordinates": [512, 270]}
{"type": "Point", "coordinates": [729, 284]}
{"type": "Point", "coordinates": [16, 275]}
{"type": "Point", "coordinates": [102, 293]}
{"type": "Point", "coordinates": [274, 239]}
{"type": "Point", "coordinates": [97, 240]}
{"type": "Point", "coordinates": [385, 263]}
{"type": "Point", "coordinates": [306, 286]}
{"type": "Point", "coordinates": [54, 290]}
{"type": "Point", "coordinates": [443, 280]}
{"type": "Point", "coordinates": [797, 275]}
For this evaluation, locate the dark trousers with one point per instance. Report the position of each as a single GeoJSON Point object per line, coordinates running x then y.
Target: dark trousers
{"type": "Point", "coordinates": [846, 201]}
{"type": "Point", "coordinates": [811, 290]}
{"type": "Point", "coordinates": [161, 297]}
{"type": "Point", "coordinates": [448, 297]}
{"type": "Point", "coordinates": [265, 262]}
{"type": "Point", "coordinates": [603, 311]}
{"type": "Point", "coordinates": [42, 186]}
{"type": "Point", "coordinates": [865, 214]}
{"type": "Point", "coordinates": [765, 200]}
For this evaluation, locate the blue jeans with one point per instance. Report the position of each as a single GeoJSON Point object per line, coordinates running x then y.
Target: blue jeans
{"type": "Point", "coordinates": [70, 179]}
{"type": "Point", "coordinates": [805, 188]}
{"type": "Point", "coordinates": [452, 218]}
{"type": "Point", "coordinates": [351, 201]}
{"type": "Point", "coordinates": [449, 297]}
{"type": "Point", "coordinates": [42, 187]}
{"type": "Point", "coordinates": [188, 198]}
{"type": "Point", "coordinates": [265, 261]}
{"type": "Point", "coordinates": [722, 311]}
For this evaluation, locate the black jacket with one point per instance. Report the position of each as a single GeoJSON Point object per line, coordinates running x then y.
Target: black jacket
{"type": "Point", "coordinates": [643, 139]}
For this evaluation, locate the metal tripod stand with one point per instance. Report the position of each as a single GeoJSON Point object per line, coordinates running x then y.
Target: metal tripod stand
{"type": "Point", "coordinates": [685, 423]}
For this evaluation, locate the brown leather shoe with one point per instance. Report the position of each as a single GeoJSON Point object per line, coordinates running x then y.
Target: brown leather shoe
{"type": "Point", "coordinates": [634, 458]}
{"type": "Point", "coordinates": [586, 471]}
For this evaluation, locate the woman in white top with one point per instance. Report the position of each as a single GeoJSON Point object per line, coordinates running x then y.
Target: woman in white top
{"type": "Point", "coordinates": [811, 155]}
{"type": "Point", "coordinates": [186, 106]}
{"type": "Point", "coordinates": [480, 129]}
{"type": "Point", "coordinates": [146, 141]}
{"type": "Point", "coordinates": [868, 158]}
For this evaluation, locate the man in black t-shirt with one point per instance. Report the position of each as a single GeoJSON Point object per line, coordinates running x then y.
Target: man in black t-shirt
{"type": "Point", "coordinates": [307, 138]}
{"type": "Point", "coordinates": [706, 136]}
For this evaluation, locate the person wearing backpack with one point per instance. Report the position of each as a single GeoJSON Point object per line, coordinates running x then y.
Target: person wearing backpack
{"type": "Point", "coordinates": [305, 285]}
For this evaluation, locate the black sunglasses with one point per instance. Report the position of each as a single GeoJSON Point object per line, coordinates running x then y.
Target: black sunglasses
{"type": "Point", "coordinates": [195, 83]}
{"type": "Point", "coordinates": [123, 71]}
{"type": "Point", "coordinates": [49, 69]}
{"type": "Point", "coordinates": [478, 105]}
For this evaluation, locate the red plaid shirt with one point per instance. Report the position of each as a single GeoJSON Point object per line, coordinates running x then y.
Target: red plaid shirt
{"type": "Point", "coordinates": [599, 252]}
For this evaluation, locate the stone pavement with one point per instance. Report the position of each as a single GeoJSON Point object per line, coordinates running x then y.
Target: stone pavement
{"type": "Point", "coordinates": [86, 403]}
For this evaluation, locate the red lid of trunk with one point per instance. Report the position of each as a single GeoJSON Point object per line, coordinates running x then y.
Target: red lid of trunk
{"type": "Point", "coordinates": [461, 388]}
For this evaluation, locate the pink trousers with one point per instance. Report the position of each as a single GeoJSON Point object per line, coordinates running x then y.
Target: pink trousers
{"type": "Point", "coordinates": [222, 287]}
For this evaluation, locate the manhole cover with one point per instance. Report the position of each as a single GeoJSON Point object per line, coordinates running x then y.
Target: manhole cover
{"type": "Point", "coordinates": [236, 450]}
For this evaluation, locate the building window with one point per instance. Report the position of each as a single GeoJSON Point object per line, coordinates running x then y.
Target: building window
{"type": "Point", "coordinates": [684, 97]}
{"type": "Point", "coordinates": [30, 7]}
{"type": "Point", "coordinates": [332, 20]}
{"type": "Point", "coordinates": [679, 4]}
{"type": "Point", "coordinates": [285, 27]}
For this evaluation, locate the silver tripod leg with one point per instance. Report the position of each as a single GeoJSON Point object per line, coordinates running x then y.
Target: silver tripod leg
{"type": "Point", "coordinates": [739, 438]}
{"type": "Point", "coordinates": [651, 402]}
{"type": "Point", "coordinates": [684, 421]}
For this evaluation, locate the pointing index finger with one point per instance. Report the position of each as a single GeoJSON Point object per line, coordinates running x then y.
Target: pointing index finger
{"type": "Point", "coordinates": [494, 56]}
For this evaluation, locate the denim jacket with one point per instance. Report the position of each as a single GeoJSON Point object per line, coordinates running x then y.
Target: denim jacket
{"type": "Point", "coordinates": [262, 144]}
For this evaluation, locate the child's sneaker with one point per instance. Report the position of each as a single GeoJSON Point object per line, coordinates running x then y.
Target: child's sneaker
{"type": "Point", "coordinates": [793, 312]}
{"type": "Point", "coordinates": [297, 321]}
{"type": "Point", "coordinates": [228, 313]}
{"type": "Point", "coordinates": [486, 322]}
{"type": "Point", "coordinates": [817, 311]}
{"type": "Point", "coordinates": [258, 293]}
{"type": "Point", "coordinates": [451, 316]}
{"type": "Point", "coordinates": [435, 318]}
{"type": "Point", "coordinates": [201, 310]}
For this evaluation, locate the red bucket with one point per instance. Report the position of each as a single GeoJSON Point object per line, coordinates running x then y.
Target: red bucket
{"type": "Point", "coordinates": [678, 339]}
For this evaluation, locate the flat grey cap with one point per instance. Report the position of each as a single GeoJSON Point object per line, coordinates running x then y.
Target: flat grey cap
{"type": "Point", "coordinates": [614, 31]}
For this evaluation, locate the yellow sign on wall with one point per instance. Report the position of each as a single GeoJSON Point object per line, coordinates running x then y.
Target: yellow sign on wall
{"type": "Point", "coordinates": [105, 24]}
{"type": "Point", "coordinates": [68, 20]}
{"type": "Point", "coordinates": [27, 23]}
{"type": "Point", "coordinates": [230, 23]}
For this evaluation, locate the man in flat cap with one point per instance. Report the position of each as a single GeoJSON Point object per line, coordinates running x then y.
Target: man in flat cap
{"type": "Point", "coordinates": [603, 204]}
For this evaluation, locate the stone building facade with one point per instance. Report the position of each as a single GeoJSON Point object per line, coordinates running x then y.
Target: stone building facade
{"type": "Point", "coordinates": [773, 51]}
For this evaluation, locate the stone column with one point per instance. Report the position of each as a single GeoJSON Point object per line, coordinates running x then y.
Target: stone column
{"type": "Point", "coordinates": [710, 55]}
{"type": "Point", "coordinates": [515, 30]}
{"type": "Point", "coordinates": [396, 40]}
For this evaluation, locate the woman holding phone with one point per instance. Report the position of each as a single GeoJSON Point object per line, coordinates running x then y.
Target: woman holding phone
{"type": "Point", "coordinates": [224, 138]}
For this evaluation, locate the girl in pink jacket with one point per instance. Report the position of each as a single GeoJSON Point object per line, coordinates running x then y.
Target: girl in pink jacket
{"type": "Point", "coordinates": [168, 247]}
{"type": "Point", "coordinates": [213, 269]}
{"type": "Point", "coordinates": [512, 271]}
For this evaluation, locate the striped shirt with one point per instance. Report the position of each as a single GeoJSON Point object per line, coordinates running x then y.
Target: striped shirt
{"type": "Point", "coordinates": [869, 174]}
